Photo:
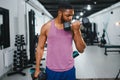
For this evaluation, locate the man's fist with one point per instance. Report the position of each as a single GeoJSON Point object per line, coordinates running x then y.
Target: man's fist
{"type": "Point", "coordinates": [76, 25]}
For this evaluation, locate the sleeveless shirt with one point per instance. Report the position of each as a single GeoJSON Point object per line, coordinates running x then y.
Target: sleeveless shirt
{"type": "Point", "coordinates": [59, 49]}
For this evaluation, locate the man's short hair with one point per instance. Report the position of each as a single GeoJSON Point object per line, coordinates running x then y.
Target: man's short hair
{"type": "Point", "coordinates": [64, 5]}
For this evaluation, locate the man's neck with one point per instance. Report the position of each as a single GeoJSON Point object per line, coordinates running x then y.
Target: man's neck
{"type": "Point", "coordinates": [58, 23]}
{"type": "Point", "coordinates": [58, 20]}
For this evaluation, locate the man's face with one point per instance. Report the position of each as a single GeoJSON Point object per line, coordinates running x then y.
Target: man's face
{"type": "Point", "coordinates": [67, 15]}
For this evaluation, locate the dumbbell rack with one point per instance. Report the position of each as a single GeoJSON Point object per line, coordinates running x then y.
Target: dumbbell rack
{"type": "Point", "coordinates": [20, 60]}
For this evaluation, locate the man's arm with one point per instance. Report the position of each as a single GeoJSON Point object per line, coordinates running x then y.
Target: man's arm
{"type": "Point", "coordinates": [77, 36]}
{"type": "Point", "coordinates": [40, 49]}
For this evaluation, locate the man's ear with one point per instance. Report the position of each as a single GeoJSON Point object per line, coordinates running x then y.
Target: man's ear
{"type": "Point", "coordinates": [59, 12]}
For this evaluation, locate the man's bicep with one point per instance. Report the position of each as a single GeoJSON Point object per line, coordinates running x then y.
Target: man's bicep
{"type": "Point", "coordinates": [42, 39]}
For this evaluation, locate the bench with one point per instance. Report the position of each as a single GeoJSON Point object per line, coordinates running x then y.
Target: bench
{"type": "Point", "coordinates": [112, 46]}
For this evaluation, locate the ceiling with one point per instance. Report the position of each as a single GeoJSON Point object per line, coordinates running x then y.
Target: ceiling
{"type": "Point", "coordinates": [78, 5]}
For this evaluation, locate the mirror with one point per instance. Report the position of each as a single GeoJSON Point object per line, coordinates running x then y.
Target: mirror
{"type": "Point", "coordinates": [1, 23]}
{"type": "Point", "coordinates": [4, 28]}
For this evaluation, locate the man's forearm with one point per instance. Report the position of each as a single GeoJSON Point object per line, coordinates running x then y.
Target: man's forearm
{"type": "Point", "coordinates": [38, 59]}
{"type": "Point", "coordinates": [80, 44]}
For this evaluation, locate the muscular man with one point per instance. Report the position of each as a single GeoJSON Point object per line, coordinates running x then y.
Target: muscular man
{"type": "Point", "coordinates": [59, 60]}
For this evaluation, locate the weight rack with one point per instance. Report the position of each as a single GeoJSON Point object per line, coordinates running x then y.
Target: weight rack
{"type": "Point", "coordinates": [20, 59]}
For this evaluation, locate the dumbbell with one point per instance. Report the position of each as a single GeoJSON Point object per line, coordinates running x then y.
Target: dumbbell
{"type": "Point", "coordinates": [41, 76]}
{"type": "Point", "coordinates": [67, 25]}
{"type": "Point", "coordinates": [75, 54]}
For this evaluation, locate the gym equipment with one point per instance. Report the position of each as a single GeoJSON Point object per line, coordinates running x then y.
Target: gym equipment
{"type": "Point", "coordinates": [111, 46]}
{"type": "Point", "coordinates": [85, 22]}
{"type": "Point", "coordinates": [41, 76]}
{"type": "Point", "coordinates": [20, 60]}
{"type": "Point", "coordinates": [75, 54]}
{"type": "Point", "coordinates": [67, 25]}
{"type": "Point", "coordinates": [32, 43]}
{"type": "Point", "coordinates": [103, 41]}
{"type": "Point", "coordinates": [117, 75]}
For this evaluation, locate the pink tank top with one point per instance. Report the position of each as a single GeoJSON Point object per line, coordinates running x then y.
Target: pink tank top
{"type": "Point", "coordinates": [59, 49]}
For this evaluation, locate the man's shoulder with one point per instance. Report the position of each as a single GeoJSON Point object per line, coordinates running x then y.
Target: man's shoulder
{"type": "Point", "coordinates": [48, 24]}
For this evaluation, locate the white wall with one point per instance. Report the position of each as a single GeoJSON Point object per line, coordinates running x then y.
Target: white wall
{"type": "Point", "coordinates": [104, 19]}
{"type": "Point", "coordinates": [8, 4]}
{"type": "Point", "coordinates": [18, 19]}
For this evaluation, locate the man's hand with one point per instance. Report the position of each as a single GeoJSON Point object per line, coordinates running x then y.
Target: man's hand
{"type": "Point", "coordinates": [76, 25]}
{"type": "Point", "coordinates": [36, 73]}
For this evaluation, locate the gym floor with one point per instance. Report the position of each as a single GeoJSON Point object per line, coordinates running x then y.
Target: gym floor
{"type": "Point", "coordinates": [91, 65]}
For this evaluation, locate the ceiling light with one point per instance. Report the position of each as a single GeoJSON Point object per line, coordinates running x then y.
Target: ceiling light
{"type": "Point", "coordinates": [117, 23]}
{"type": "Point", "coordinates": [81, 14]}
{"type": "Point", "coordinates": [77, 17]}
{"type": "Point", "coordinates": [95, 2]}
{"type": "Point", "coordinates": [88, 7]}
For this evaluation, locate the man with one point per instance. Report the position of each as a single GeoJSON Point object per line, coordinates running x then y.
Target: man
{"type": "Point", "coordinates": [59, 60]}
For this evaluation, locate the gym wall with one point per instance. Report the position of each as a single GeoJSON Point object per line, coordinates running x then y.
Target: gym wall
{"type": "Point", "coordinates": [8, 4]}
{"type": "Point", "coordinates": [107, 19]}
